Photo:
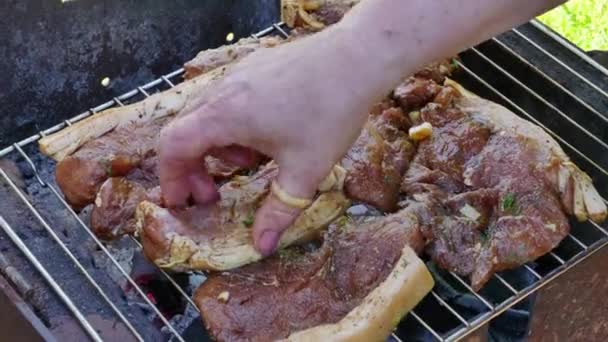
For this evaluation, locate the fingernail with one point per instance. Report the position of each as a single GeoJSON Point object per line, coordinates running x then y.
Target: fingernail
{"type": "Point", "coordinates": [268, 242]}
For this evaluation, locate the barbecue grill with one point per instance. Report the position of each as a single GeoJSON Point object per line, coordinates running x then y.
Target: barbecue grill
{"type": "Point", "coordinates": [68, 275]}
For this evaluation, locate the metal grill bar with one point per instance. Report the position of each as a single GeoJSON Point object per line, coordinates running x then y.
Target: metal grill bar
{"type": "Point", "coordinates": [450, 309]}
{"type": "Point", "coordinates": [170, 279]}
{"type": "Point", "coordinates": [65, 249]}
{"type": "Point", "coordinates": [531, 118]}
{"type": "Point", "coordinates": [49, 279]}
{"type": "Point", "coordinates": [505, 283]}
{"type": "Point", "coordinates": [92, 111]}
{"type": "Point", "coordinates": [426, 325]}
{"type": "Point", "coordinates": [565, 43]}
{"type": "Point", "coordinates": [558, 258]}
{"type": "Point", "coordinates": [97, 241]}
{"type": "Point", "coordinates": [395, 337]}
{"type": "Point", "coordinates": [600, 228]}
{"type": "Point", "coordinates": [468, 287]}
{"type": "Point", "coordinates": [548, 78]}
{"type": "Point", "coordinates": [532, 271]}
{"type": "Point", "coordinates": [577, 241]}
{"type": "Point", "coordinates": [280, 30]}
{"type": "Point", "coordinates": [564, 65]}
{"type": "Point", "coordinates": [542, 99]}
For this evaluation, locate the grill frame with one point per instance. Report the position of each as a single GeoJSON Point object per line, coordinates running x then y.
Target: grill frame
{"type": "Point", "coordinates": [466, 326]}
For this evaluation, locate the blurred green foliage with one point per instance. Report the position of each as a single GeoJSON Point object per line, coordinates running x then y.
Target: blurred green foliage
{"type": "Point", "coordinates": [583, 22]}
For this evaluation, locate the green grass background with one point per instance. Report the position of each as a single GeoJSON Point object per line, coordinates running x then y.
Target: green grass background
{"type": "Point", "coordinates": [583, 22]}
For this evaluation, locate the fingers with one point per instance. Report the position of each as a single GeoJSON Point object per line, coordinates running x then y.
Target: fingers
{"type": "Point", "coordinates": [275, 215]}
{"type": "Point", "coordinates": [182, 172]}
{"type": "Point", "coordinates": [237, 155]}
{"type": "Point", "coordinates": [271, 220]}
{"type": "Point", "coordinates": [191, 182]}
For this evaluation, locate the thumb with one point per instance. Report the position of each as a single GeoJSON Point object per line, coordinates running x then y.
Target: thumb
{"type": "Point", "coordinates": [275, 216]}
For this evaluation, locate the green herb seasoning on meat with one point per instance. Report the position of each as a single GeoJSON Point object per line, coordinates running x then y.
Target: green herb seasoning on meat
{"type": "Point", "coordinates": [509, 204]}
{"type": "Point", "coordinates": [248, 221]}
{"type": "Point", "coordinates": [342, 222]}
{"type": "Point", "coordinates": [289, 255]}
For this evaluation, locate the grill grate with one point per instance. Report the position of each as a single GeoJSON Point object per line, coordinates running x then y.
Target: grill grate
{"type": "Point", "coordinates": [584, 240]}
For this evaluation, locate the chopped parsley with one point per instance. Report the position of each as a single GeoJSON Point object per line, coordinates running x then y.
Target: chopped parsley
{"type": "Point", "coordinates": [509, 204]}
{"type": "Point", "coordinates": [248, 221]}
{"type": "Point", "coordinates": [342, 222]}
{"type": "Point", "coordinates": [289, 254]}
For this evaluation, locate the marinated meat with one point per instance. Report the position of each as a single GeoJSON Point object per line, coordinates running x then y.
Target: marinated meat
{"type": "Point", "coordinates": [115, 154]}
{"type": "Point", "coordinates": [128, 151]}
{"type": "Point", "coordinates": [212, 58]}
{"type": "Point", "coordinates": [376, 164]}
{"type": "Point", "coordinates": [456, 137]}
{"type": "Point", "coordinates": [113, 214]}
{"type": "Point", "coordinates": [438, 71]}
{"type": "Point", "coordinates": [119, 152]}
{"type": "Point", "coordinates": [528, 221]}
{"type": "Point", "coordinates": [298, 288]}
{"type": "Point", "coordinates": [421, 88]}
{"type": "Point", "coordinates": [218, 236]}
{"type": "Point", "coordinates": [378, 159]}
{"type": "Point", "coordinates": [489, 184]}
{"type": "Point", "coordinates": [415, 93]}
{"type": "Point", "coordinates": [573, 186]}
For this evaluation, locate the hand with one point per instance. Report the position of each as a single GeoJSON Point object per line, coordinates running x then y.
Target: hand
{"type": "Point", "coordinates": [300, 103]}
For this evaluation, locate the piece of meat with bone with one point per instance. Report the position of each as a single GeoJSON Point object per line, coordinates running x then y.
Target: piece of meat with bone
{"type": "Point", "coordinates": [321, 294]}
{"type": "Point", "coordinates": [379, 157]}
{"type": "Point", "coordinates": [218, 236]}
{"type": "Point", "coordinates": [492, 188]}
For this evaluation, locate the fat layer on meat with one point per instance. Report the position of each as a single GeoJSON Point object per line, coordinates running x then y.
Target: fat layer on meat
{"type": "Point", "coordinates": [298, 288]}
{"type": "Point", "coordinates": [210, 59]}
{"type": "Point", "coordinates": [218, 236]}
